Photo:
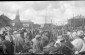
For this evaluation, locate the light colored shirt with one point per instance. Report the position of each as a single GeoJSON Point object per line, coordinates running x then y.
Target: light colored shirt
{"type": "Point", "coordinates": [84, 38]}
{"type": "Point", "coordinates": [33, 40]}
{"type": "Point", "coordinates": [83, 47]}
{"type": "Point", "coordinates": [77, 43]}
{"type": "Point", "coordinates": [36, 47]}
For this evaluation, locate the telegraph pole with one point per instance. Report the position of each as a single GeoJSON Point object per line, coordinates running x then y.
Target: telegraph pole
{"type": "Point", "coordinates": [51, 21]}
{"type": "Point", "coordinates": [45, 19]}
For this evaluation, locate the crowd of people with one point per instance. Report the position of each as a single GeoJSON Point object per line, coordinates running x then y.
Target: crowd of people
{"type": "Point", "coordinates": [41, 42]}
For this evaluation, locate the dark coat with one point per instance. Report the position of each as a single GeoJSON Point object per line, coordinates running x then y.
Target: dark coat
{"type": "Point", "coordinates": [44, 41]}
{"type": "Point", "coordinates": [9, 47]}
{"type": "Point", "coordinates": [1, 49]}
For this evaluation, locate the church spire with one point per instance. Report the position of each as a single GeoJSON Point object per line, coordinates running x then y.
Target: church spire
{"type": "Point", "coordinates": [17, 19]}
{"type": "Point", "coordinates": [18, 12]}
{"type": "Point", "coordinates": [17, 15]}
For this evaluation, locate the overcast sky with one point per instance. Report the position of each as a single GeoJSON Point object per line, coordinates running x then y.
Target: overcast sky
{"type": "Point", "coordinates": [58, 11]}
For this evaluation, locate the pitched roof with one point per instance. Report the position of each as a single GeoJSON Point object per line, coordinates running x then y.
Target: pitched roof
{"type": "Point", "coordinates": [4, 21]}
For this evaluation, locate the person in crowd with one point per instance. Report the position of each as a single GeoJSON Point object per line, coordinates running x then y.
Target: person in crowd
{"type": "Point", "coordinates": [29, 34]}
{"type": "Point", "coordinates": [68, 42]}
{"type": "Point", "coordinates": [81, 35]}
{"type": "Point", "coordinates": [70, 35]}
{"type": "Point", "coordinates": [78, 42]}
{"type": "Point", "coordinates": [9, 48]}
{"type": "Point", "coordinates": [9, 36]}
{"type": "Point", "coordinates": [28, 39]}
{"type": "Point", "coordinates": [19, 41]}
{"type": "Point", "coordinates": [74, 35]}
{"type": "Point", "coordinates": [36, 44]}
{"type": "Point", "coordinates": [44, 39]}
{"type": "Point", "coordinates": [2, 46]}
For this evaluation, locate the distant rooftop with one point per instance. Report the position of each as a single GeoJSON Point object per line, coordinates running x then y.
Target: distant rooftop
{"type": "Point", "coordinates": [79, 16]}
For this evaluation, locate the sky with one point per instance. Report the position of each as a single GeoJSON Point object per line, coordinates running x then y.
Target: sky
{"type": "Point", "coordinates": [57, 11]}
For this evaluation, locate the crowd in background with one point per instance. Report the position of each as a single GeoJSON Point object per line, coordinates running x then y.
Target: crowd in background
{"type": "Point", "coordinates": [41, 42]}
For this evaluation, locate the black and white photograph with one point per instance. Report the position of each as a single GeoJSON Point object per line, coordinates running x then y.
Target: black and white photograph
{"type": "Point", "coordinates": [42, 27]}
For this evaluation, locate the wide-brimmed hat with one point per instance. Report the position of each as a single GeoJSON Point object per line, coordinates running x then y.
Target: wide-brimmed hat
{"type": "Point", "coordinates": [15, 32]}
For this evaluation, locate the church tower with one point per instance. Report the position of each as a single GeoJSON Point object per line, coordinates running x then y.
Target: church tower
{"type": "Point", "coordinates": [17, 22]}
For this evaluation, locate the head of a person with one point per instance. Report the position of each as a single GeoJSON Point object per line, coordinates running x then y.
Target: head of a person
{"type": "Point", "coordinates": [74, 35]}
{"type": "Point", "coordinates": [38, 37]}
{"type": "Point", "coordinates": [80, 33]}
